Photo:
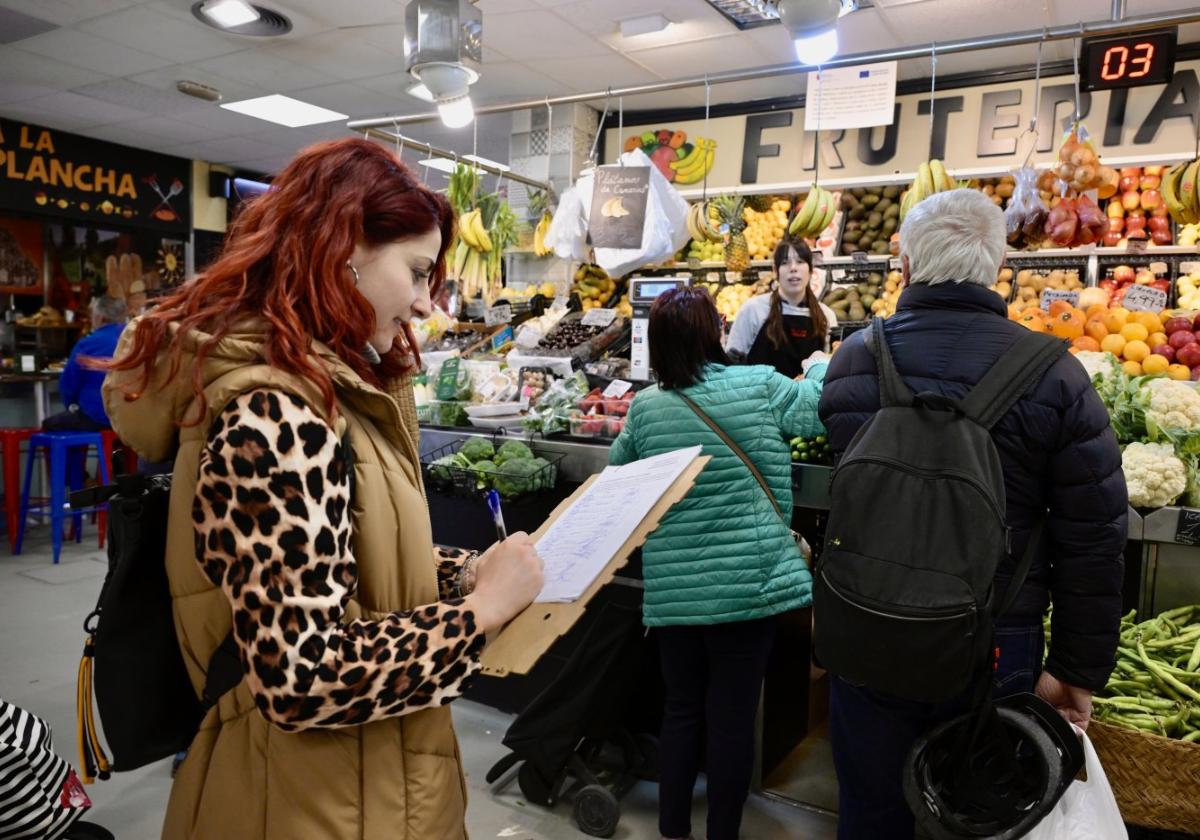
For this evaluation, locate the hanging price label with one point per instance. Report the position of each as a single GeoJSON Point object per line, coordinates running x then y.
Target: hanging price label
{"type": "Point", "coordinates": [1145, 299]}
{"type": "Point", "coordinates": [497, 315]}
{"type": "Point", "coordinates": [617, 389]}
{"type": "Point", "coordinates": [1049, 296]}
{"type": "Point", "coordinates": [599, 317]}
{"type": "Point", "coordinates": [859, 257]}
{"type": "Point", "coordinates": [1137, 246]}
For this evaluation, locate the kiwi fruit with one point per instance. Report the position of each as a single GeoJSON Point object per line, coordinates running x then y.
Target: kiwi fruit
{"type": "Point", "coordinates": [875, 221]}
{"type": "Point", "coordinates": [858, 213]}
{"type": "Point", "coordinates": [858, 192]}
{"type": "Point", "coordinates": [893, 212]}
{"type": "Point", "coordinates": [889, 226]}
{"type": "Point", "coordinates": [849, 202]}
{"type": "Point", "coordinates": [870, 200]}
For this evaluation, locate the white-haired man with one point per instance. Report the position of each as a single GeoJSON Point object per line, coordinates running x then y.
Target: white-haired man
{"type": "Point", "coordinates": [80, 384]}
{"type": "Point", "coordinates": [1061, 465]}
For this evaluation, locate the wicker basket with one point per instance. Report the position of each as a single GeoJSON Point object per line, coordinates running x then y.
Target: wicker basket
{"type": "Point", "coordinates": [1156, 780]}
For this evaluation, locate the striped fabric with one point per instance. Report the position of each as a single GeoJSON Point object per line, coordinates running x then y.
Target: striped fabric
{"type": "Point", "coordinates": [32, 780]}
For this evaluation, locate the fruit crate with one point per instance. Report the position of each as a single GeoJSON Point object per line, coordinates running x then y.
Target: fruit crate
{"type": "Point", "coordinates": [861, 229]}
{"type": "Point", "coordinates": [1046, 268]}
{"type": "Point", "coordinates": [862, 284]}
{"type": "Point", "coordinates": [591, 348]}
{"type": "Point", "coordinates": [1165, 267]}
{"type": "Point", "coordinates": [467, 481]}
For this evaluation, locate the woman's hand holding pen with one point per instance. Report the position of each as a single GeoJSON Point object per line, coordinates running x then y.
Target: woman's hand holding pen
{"type": "Point", "coordinates": [508, 576]}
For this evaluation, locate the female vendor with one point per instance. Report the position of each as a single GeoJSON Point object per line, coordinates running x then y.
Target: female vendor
{"type": "Point", "coordinates": [784, 328]}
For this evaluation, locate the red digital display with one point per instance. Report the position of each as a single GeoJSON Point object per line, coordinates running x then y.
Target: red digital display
{"type": "Point", "coordinates": [1128, 61]}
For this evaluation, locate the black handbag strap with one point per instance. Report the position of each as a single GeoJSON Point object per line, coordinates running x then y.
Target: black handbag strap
{"type": "Point", "coordinates": [737, 450]}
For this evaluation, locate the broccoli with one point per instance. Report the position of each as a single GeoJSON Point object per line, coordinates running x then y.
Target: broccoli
{"type": "Point", "coordinates": [478, 449]}
{"type": "Point", "coordinates": [544, 476]}
{"type": "Point", "coordinates": [513, 450]}
{"type": "Point", "coordinates": [441, 469]}
{"type": "Point", "coordinates": [485, 472]}
{"type": "Point", "coordinates": [516, 477]}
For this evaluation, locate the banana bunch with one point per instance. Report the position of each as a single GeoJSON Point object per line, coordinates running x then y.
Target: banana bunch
{"type": "Point", "coordinates": [814, 214]}
{"type": "Point", "coordinates": [697, 164]}
{"type": "Point", "coordinates": [539, 236]}
{"type": "Point", "coordinates": [1181, 192]}
{"type": "Point", "coordinates": [931, 178]}
{"type": "Point", "coordinates": [472, 231]}
{"type": "Point", "coordinates": [699, 226]}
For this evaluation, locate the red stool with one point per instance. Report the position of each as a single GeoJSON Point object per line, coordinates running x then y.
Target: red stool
{"type": "Point", "coordinates": [10, 442]}
{"type": "Point", "coordinates": [128, 466]}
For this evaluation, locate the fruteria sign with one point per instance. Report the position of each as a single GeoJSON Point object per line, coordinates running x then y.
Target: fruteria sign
{"type": "Point", "coordinates": [976, 130]}
{"type": "Point", "coordinates": [46, 171]}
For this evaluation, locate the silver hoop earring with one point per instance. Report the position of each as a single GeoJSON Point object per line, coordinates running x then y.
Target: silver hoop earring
{"type": "Point", "coordinates": [354, 271]}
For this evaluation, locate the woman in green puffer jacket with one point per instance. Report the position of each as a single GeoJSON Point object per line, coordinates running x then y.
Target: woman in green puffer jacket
{"type": "Point", "coordinates": [722, 564]}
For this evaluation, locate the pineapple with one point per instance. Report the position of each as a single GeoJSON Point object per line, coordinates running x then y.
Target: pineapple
{"type": "Point", "coordinates": [760, 203]}
{"type": "Point", "coordinates": [737, 252]}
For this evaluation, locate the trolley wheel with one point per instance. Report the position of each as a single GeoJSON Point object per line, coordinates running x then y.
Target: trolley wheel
{"type": "Point", "coordinates": [536, 789]}
{"type": "Point", "coordinates": [597, 811]}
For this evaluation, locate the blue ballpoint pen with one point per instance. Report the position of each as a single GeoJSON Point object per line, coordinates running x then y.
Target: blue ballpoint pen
{"type": "Point", "coordinates": [493, 501]}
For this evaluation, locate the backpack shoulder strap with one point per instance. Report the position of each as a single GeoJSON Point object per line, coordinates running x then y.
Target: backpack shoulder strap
{"type": "Point", "coordinates": [1014, 373]}
{"type": "Point", "coordinates": [892, 390]}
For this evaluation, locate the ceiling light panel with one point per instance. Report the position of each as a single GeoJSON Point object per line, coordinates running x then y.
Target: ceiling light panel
{"type": "Point", "coordinates": [284, 110]}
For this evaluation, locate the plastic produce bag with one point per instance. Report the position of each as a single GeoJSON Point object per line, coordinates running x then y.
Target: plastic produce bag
{"type": "Point", "coordinates": [665, 230]}
{"type": "Point", "coordinates": [567, 235]}
{"type": "Point", "coordinates": [1087, 810]}
{"type": "Point", "coordinates": [1025, 217]}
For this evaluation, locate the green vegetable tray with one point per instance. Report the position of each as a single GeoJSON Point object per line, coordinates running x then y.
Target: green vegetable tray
{"type": "Point", "coordinates": [459, 479]}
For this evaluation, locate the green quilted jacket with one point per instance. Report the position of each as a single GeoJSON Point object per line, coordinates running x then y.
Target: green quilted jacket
{"type": "Point", "coordinates": [723, 554]}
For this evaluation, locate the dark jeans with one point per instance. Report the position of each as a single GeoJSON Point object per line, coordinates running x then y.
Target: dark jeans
{"type": "Point", "coordinates": [72, 421]}
{"type": "Point", "coordinates": [872, 735]}
{"type": "Point", "coordinates": [713, 677]}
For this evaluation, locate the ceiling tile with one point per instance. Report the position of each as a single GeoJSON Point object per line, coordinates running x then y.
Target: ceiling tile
{"type": "Point", "coordinates": [232, 90]}
{"type": "Point", "coordinates": [14, 93]}
{"type": "Point", "coordinates": [349, 99]}
{"type": "Point", "coordinates": [340, 54]}
{"type": "Point", "coordinates": [141, 97]}
{"type": "Point", "coordinates": [265, 71]}
{"type": "Point", "coordinates": [226, 149]}
{"type": "Point", "coordinates": [131, 134]}
{"type": "Point", "coordinates": [533, 35]}
{"type": "Point", "coordinates": [31, 112]}
{"type": "Point", "coordinates": [93, 52]}
{"type": "Point", "coordinates": [354, 13]}
{"type": "Point", "coordinates": [504, 6]}
{"type": "Point", "coordinates": [586, 73]}
{"type": "Point", "coordinates": [82, 110]}
{"type": "Point", "coordinates": [510, 80]}
{"type": "Point", "coordinates": [221, 122]}
{"type": "Point", "coordinates": [162, 34]}
{"type": "Point", "coordinates": [66, 12]}
{"type": "Point", "coordinates": [20, 67]}
{"type": "Point", "coordinates": [17, 26]}
{"type": "Point", "coordinates": [172, 131]}
{"type": "Point", "coordinates": [696, 59]}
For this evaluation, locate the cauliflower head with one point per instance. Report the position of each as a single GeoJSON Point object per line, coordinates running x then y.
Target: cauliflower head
{"type": "Point", "coordinates": [1172, 404]}
{"type": "Point", "coordinates": [1154, 475]}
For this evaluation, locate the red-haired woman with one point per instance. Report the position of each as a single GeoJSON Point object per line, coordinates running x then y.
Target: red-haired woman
{"type": "Point", "coordinates": [298, 521]}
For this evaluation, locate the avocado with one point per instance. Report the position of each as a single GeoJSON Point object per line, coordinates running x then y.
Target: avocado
{"type": "Point", "coordinates": [883, 205]}
{"type": "Point", "coordinates": [892, 212]}
{"type": "Point", "coordinates": [870, 200]}
{"type": "Point", "coordinates": [858, 192]}
{"type": "Point", "coordinates": [875, 221]}
{"type": "Point", "coordinates": [849, 202]}
{"type": "Point", "coordinates": [889, 226]}
{"type": "Point", "coordinates": [858, 213]}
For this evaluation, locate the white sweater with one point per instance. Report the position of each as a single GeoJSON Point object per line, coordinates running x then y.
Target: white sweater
{"type": "Point", "coordinates": [753, 316]}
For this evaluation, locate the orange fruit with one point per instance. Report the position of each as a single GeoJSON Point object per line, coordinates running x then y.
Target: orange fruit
{"type": "Point", "coordinates": [1132, 368]}
{"type": "Point", "coordinates": [1032, 319]}
{"type": "Point", "coordinates": [1068, 324]}
{"type": "Point", "coordinates": [1157, 339]}
{"type": "Point", "coordinates": [1087, 343]}
{"type": "Point", "coordinates": [1114, 344]}
{"type": "Point", "coordinates": [1136, 350]}
{"type": "Point", "coordinates": [1179, 372]}
{"type": "Point", "coordinates": [1135, 332]}
{"type": "Point", "coordinates": [1154, 364]}
{"type": "Point", "coordinates": [1098, 310]}
{"type": "Point", "coordinates": [1013, 313]}
{"type": "Point", "coordinates": [1060, 306]}
{"type": "Point", "coordinates": [1115, 320]}
{"type": "Point", "coordinates": [1095, 328]}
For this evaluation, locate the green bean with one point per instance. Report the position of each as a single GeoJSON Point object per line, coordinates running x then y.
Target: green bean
{"type": "Point", "coordinates": [1158, 671]}
{"type": "Point", "coordinates": [1193, 662]}
{"type": "Point", "coordinates": [1137, 703]}
{"type": "Point", "coordinates": [1192, 737]}
{"type": "Point", "coordinates": [1181, 614]}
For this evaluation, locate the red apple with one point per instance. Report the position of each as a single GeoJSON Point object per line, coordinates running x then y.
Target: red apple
{"type": "Point", "coordinates": [1131, 171]}
{"type": "Point", "coordinates": [1162, 286]}
{"type": "Point", "coordinates": [1196, 323]}
{"type": "Point", "coordinates": [1188, 354]}
{"type": "Point", "coordinates": [1124, 274]}
{"type": "Point", "coordinates": [1166, 351]}
{"type": "Point", "coordinates": [1128, 183]}
{"type": "Point", "coordinates": [1131, 199]}
{"type": "Point", "coordinates": [1136, 213]}
{"type": "Point", "coordinates": [1159, 223]}
{"type": "Point", "coordinates": [1135, 227]}
{"type": "Point", "coordinates": [1180, 324]}
{"type": "Point", "coordinates": [1114, 210]}
{"type": "Point", "coordinates": [1154, 170]}
{"type": "Point", "coordinates": [1144, 277]}
{"type": "Point", "coordinates": [1116, 225]}
{"type": "Point", "coordinates": [1181, 339]}
{"type": "Point", "coordinates": [1160, 237]}
{"type": "Point", "coordinates": [1112, 238]}
{"type": "Point", "coordinates": [1149, 182]}
{"type": "Point", "coordinates": [1151, 199]}
{"type": "Point", "coordinates": [1161, 210]}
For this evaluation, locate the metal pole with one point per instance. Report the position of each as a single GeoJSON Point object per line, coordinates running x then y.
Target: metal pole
{"type": "Point", "coordinates": [989, 42]}
{"type": "Point", "coordinates": [1118, 9]}
{"type": "Point", "coordinates": [434, 151]}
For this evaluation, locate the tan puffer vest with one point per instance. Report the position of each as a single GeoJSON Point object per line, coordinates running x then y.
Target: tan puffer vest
{"type": "Point", "coordinates": [245, 779]}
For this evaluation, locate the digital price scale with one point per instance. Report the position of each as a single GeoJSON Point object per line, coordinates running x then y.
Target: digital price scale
{"type": "Point", "coordinates": [642, 293]}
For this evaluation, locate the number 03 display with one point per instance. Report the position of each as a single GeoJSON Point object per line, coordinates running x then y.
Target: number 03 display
{"type": "Point", "coordinates": [1128, 61]}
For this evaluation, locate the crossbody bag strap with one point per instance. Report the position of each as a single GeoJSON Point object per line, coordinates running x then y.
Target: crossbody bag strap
{"type": "Point", "coordinates": [737, 450]}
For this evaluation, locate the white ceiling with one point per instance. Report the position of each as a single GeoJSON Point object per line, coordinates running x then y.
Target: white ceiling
{"type": "Point", "coordinates": [108, 68]}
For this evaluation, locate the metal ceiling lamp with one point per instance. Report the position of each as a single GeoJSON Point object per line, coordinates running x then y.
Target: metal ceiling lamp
{"type": "Point", "coordinates": [812, 25]}
{"type": "Point", "coordinates": [443, 52]}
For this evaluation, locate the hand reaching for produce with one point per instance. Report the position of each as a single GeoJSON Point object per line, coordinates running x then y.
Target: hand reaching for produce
{"type": "Point", "coordinates": [508, 576]}
{"type": "Point", "coordinates": [1073, 703]}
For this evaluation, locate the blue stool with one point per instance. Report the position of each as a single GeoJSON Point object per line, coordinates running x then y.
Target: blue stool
{"type": "Point", "coordinates": [68, 453]}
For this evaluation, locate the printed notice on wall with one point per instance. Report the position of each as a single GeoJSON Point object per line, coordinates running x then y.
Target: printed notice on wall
{"type": "Point", "coordinates": [851, 97]}
{"type": "Point", "coordinates": [618, 217]}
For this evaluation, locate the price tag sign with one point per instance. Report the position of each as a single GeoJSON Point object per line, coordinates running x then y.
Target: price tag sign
{"type": "Point", "coordinates": [1137, 246]}
{"type": "Point", "coordinates": [29, 364]}
{"type": "Point", "coordinates": [1145, 299]}
{"type": "Point", "coordinates": [712, 277]}
{"type": "Point", "coordinates": [1187, 529]}
{"type": "Point", "coordinates": [617, 389]}
{"type": "Point", "coordinates": [1189, 267]}
{"type": "Point", "coordinates": [1049, 296]}
{"type": "Point", "coordinates": [599, 317]}
{"type": "Point", "coordinates": [501, 338]}
{"type": "Point", "coordinates": [894, 264]}
{"type": "Point", "coordinates": [447, 383]}
{"type": "Point", "coordinates": [859, 257]}
{"type": "Point", "coordinates": [497, 315]}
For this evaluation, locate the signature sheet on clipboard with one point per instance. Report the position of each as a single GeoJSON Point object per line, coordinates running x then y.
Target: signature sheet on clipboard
{"type": "Point", "coordinates": [582, 541]}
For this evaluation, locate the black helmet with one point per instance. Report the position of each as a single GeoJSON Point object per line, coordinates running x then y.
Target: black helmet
{"type": "Point", "coordinates": [992, 773]}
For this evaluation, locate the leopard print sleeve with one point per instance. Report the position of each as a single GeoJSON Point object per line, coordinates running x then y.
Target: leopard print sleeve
{"type": "Point", "coordinates": [272, 531]}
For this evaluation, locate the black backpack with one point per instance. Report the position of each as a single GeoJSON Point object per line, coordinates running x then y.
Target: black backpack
{"type": "Point", "coordinates": [903, 596]}
{"type": "Point", "coordinates": [131, 662]}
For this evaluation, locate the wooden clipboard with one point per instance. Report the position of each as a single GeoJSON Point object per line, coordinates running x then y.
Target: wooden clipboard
{"type": "Point", "coordinates": [528, 636]}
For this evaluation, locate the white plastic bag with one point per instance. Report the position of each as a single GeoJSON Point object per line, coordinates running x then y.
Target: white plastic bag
{"type": "Point", "coordinates": [567, 235]}
{"type": "Point", "coordinates": [1088, 810]}
{"type": "Point", "coordinates": [665, 230]}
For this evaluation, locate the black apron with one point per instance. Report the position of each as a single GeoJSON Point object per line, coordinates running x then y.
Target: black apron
{"type": "Point", "coordinates": [802, 342]}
